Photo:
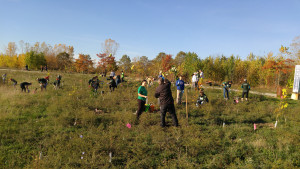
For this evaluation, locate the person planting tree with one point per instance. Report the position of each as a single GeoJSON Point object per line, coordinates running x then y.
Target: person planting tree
{"type": "Point", "coordinates": [226, 86]}
{"type": "Point", "coordinates": [202, 99]}
{"type": "Point", "coordinates": [112, 84]}
{"type": "Point", "coordinates": [43, 83]}
{"type": "Point", "coordinates": [24, 86]}
{"type": "Point", "coordinates": [14, 82]}
{"type": "Point", "coordinates": [164, 93]}
{"type": "Point", "coordinates": [246, 87]}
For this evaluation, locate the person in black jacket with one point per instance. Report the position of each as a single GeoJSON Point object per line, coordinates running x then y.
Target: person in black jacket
{"type": "Point", "coordinates": [43, 83]}
{"type": "Point", "coordinates": [164, 93]}
{"type": "Point", "coordinates": [24, 86]}
{"type": "Point", "coordinates": [112, 84]}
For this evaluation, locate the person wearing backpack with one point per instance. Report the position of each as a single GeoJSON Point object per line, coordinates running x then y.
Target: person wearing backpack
{"type": "Point", "coordinates": [246, 87]}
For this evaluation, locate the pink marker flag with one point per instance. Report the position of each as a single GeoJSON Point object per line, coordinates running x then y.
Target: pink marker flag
{"type": "Point", "coordinates": [128, 125]}
{"type": "Point", "coordinates": [254, 126]}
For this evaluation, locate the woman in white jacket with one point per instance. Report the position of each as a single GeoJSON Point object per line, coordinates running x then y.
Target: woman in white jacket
{"type": "Point", "coordinates": [194, 81]}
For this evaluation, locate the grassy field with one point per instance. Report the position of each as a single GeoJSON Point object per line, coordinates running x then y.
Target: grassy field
{"type": "Point", "coordinates": [59, 129]}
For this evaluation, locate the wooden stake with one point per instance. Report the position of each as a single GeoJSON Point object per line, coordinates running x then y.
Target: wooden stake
{"type": "Point", "coordinates": [186, 108]}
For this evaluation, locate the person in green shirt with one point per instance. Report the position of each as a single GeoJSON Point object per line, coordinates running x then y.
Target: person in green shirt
{"type": "Point", "coordinates": [122, 76]}
{"type": "Point", "coordinates": [142, 97]}
{"type": "Point", "coordinates": [246, 88]}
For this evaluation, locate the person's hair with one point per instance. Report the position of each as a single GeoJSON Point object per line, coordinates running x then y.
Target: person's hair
{"type": "Point", "coordinates": [161, 80]}
{"type": "Point", "coordinates": [144, 81]}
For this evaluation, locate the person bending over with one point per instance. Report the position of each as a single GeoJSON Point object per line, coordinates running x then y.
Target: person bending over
{"type": "Point", "coordinates": [43, 83]}
{"type": "Point", "coordinates": [24, 86]}
{"type": "Point", "coordinates": [14, 82]}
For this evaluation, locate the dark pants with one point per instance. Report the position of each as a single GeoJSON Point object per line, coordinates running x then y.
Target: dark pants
{"type": "Point", "coordinates": [23, 87]}
{"type": "Point", "coordinates": [141, 108]}
{"type": "Point", "coordinates": [112, 88]}
{"type": "Point", "coordinates": [168, 108]}
{"type": "Point", "coordinates": [245, 93]}
{"type": "Point", "coordinates": [225, 92]}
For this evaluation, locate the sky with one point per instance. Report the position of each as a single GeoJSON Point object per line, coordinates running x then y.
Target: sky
{"type": "Point", "coordinates": [148, 27]}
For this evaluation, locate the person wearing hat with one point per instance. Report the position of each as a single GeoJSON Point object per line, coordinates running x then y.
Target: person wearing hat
{"type": "Point", "coordinates": [246, 87]}
{"type": "Point", "coordinates": [202, 99]}
{"type": "Point", "coordinates": [194, 80]}
{"type": "Point", "coordinates": [160, 75]}
{"type": "Point", "coordinates": [112, 74]}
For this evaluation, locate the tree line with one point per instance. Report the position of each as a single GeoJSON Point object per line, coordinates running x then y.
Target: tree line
{"type": "Point", "coordinates": [269, 70]}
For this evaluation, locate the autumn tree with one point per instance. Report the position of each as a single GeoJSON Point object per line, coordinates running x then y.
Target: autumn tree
{"type": "Point", "coordinates": [110, 47]}
{"type": "Point", "coordinates": [125, 63]}
{"type": "Point", "coordinates": [190, 64]}
{"type": "Point", "coordinates": [280, 66]}
{"type": "Point", "coordinates": [143, 65]}
{"type": "Point", "coordinates": [61, 48]}
{"type": "Point", "coordinates": [106, 63]}
{"type": "Point", "coordinates": [295, 49]}
{"type": "Point", "coordinates": [228, 67]}
{"type": "Point", "coordinates": [35, 60]}
{"type": "Point", "coordinates": [156, 63]}
{"type": "Point", "coordinates": [254, 65]}
{"type": "Point", "coordinates": [84, 63]}
{"type": "Point", "coordinates": [167, 63]}
{"type": "Point", "coordinates": [64, 61]}
{"type": "Point", "coordinates": [179, 58]}
{"type": "Point", "coordinates": [11, 49]}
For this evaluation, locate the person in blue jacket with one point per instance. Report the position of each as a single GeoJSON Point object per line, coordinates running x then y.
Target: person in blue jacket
{"type": "Point", "coordinates": [180, 89]}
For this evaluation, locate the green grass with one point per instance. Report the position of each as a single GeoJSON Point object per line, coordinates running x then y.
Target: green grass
{"type": "Point", "coordinates": [53, 122]}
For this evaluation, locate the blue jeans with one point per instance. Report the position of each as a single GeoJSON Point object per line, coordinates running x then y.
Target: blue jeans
{"type": "Point", "coordinates": [225, 92]}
